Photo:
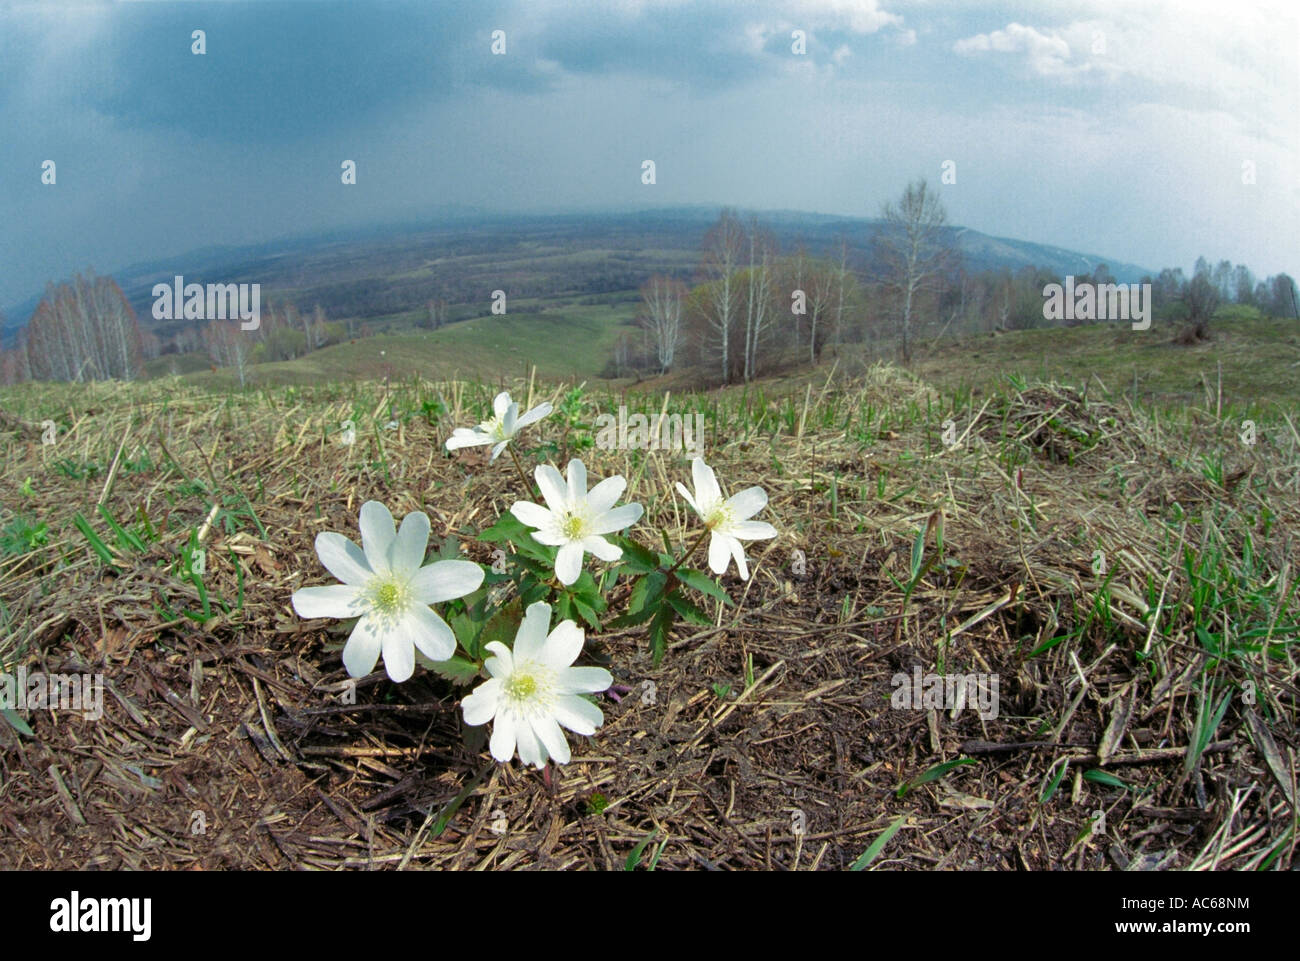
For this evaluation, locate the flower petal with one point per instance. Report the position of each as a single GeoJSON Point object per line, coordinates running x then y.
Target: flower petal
{"type": "Point", "coordinates": [752, 530]}
{"type": "Point", "coordinates": [481, 706]}
{"type": "Point", "coordinates": [602, 548]}
{"type": "Point", "coordinates": [496, 451]}
{"type": "Point", "coordinates": [568, 563]}
{"type": "Point", "coordinates": [578, 714]}
{"type": "Point", "coordinates": [617, 519]}
{"type": "Point", "coordinates": [738, 552]}
{"type": "Point", "coordinates": [534, 515]}
{"type": "Point", "coordinates": [399, 655]}
{"type": "Point", "coordinates": [501, 404]}
{"type": "Point", "coordinates": [335, 600]}
{"type": "Point", "coordinates": [550, 536]}
{"type": "Point", "coordinates": [606, 494]}
{"type": "Point", "coordinates": [502, 744]}
{"type": "Point", "coordinates": [508, 420]}
{"type": "Point", "coordinates": [707, 491]}
{"type": "Point", "coordinates": [362, 649]}
{"type": "Point", "coordinates": [503, 664]}
{"type": "Point", "coordinates": [531, 636]}
{"type": "Point", "coordinates": [719, 552]}
{"type": "Point", "coordinates": [681, 489]}
{"type": "Point", "coordinates": [445, 581]}
{"type": "Point", "coordinates": [533, 416]}
{"type": "Point", "coordinates": [407, 552]}
{"type": "Point", "coordinates": [466, 437]}
{"type": "Point", "coordinates": [343, 559]}
{"type": "Point", "coordinates": [748, 502]}
{"type": "Point", "coordinates": [563, 645]}
{"type": "Point", "coordinates": [377, 534]}
{"type": "Point", "coordinates": [585, 680]}
{"type": "Point", "coordinates": [577, 480]}
{"type": "Point", "coordinates": [554, 490]}
{"type": "Point", "coordinates": [429, 633]}
{"type": "Point", "coordinates": [548, 733]}
{"type": "Point", "coordinates": [530, 749]}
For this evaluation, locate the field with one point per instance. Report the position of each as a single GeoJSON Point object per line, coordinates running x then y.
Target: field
{"type": "Point", "coordinates": [568, 341]}
{"type": "Point", "coordinates": [1120, 559]}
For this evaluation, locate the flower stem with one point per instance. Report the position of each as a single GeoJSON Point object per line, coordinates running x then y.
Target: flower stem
{"type": "Point", "coordinates": [682, 560]}
{"type": "Point", "coordinates": [519, 469]}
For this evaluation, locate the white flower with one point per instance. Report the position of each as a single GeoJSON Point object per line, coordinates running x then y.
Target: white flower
{"type": "Point", "coordinates": [727, 520]}
{"type": "Point", "coordinates": [387, 588]}
{"type": "Point", "coordinates": [576, 519]}
{"type": "Point", "coordinates": [501, 429]}
{"type": "Point", "coordinates": [534, 690]}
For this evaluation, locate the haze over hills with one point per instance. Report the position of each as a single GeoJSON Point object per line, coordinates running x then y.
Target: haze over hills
{"type": "Point", "coordinates": [465, 253]}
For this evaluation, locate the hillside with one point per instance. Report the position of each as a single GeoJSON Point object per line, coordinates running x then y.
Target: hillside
{"type": "Point", "coordinates": [387, 270]}
{"type": "Point", "coordinates": [1125, 575]}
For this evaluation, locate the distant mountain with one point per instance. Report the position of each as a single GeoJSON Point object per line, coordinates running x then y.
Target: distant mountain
{"type": "Point", "coordinates": [461, 254]}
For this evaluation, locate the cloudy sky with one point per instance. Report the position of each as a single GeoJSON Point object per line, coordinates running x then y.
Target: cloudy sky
{"type": "Point", "coordinates": [1119, 127]}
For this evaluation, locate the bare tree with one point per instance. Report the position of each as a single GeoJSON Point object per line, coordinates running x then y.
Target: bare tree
{"type": "Point", "coordinates": [1203, 300]}
{"type": "Point", "coordinates": [662, 299]}
{"type": "Point", "coordinates": [912, 250]}
{"type": "Point", "coordinates": [435, 313]}
{"type": "Point", "coordinates": [722, 252]}
{"type": "Point", "coordinates": [228, 346]}
{"type": "Point", "coordinates": [758, 300]}
{"type": "Point", "coordinates": [84, 330]}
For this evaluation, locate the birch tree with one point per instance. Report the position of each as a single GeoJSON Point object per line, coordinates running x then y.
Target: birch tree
{"type": "Point", "coordinates": [722, 253]}
{"type": "Point", "coordinates": [228, 346]}
{"type": "Point", "coordinates": [662, 299]}
{"type": "Point", "coordinates": [84, 330]}
{"type": "Point", "coordinates": [912, 250]}
{"type": "Point", "coordinates": [758, 300]}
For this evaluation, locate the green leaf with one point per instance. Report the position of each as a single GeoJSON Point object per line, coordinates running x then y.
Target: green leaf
{"type": "Point", "coordinates": [96, 544]}
{"type": "Point", "coordinates": [587, 614]}
{"type": "Point", "coordinates": [632, 618]}
{"type": "Point", "coordinates": [650, 588]}
{"type": "Point", "coordinates": [918, 552]}
{"type": "Point", "coordinates": [637, 557]}
{"type": "Point", "coordinates": [586, 589]}
{"type": "Point", "coordinates": [878, 844]}
{"type": "Point", "coordinates": [1049, 644]}
{"type": "Point", "coordinates": [456, 669]}
{"type": "Point", "coordinates": [501, 626]}
{"type": "Point", "coordinates": [1056, 782]}
{"type": "Point", "coordinates": [688, 610]}
{"type": "Point", "coordinates": [507, 528]}
{"type": "Point", "coordinates": [704, 584]}
{"type": "Point", "coordinates": [933, 774]}
{"type": "Point", "coordinates": [1103, 777]}
{"type": "Point", "coordinates": [634, 858]}
{"type": "Point", "coordinates": [16, 722]}
{"type": "Point", "coordinates": [659, 628]}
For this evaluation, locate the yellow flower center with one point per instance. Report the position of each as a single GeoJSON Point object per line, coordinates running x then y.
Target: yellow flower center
{"type": "Point", "coordinates": [721, 516]}
{"type": "Point", "coordinates": [572, 527]}
{"type": "Point", "coordinates": [521, 687]}
{"type": "Point", "coordinates": [388, 597]}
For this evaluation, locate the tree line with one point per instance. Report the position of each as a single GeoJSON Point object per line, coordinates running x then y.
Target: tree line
{"type": "Point", "coordinates": [85, 329]}
{"type": "Point", "coordinates": [747, 309]}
